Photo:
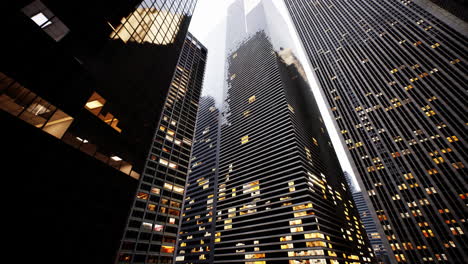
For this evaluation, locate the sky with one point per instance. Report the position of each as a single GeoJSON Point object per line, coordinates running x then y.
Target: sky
{"type": "Point", "coordinates": [208, 26]}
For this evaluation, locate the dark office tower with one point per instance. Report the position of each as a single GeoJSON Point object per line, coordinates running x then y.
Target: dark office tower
{"type": "Point", "coordinates": [92, 75]}
{"type": "Point", "coordinates": [152, 226]}
{"type": "Point", "coordinates": [374, 236]}
{"type": "Point", "coordinates": [395, 80]}
{"type": "Point", "coordinates": [197, 228]}
{"type": "Point", "coordinates": [282, 197]}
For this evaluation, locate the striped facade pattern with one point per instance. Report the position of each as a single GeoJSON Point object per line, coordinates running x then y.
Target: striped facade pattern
{"type": "Point", "coordinates": [196, 236]}
{"type": "Point", "coordinates": [150, 236]}
{"type": "Point", "coordinates": [395, 80]}
{"type": "Point", "coordinates": [374, 236]}
{"type": "Point", "coordinates": [282, 197]}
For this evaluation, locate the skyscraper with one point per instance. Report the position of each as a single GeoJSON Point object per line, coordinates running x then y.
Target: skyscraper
{"type": "Point", "coordinates": [152, 226]}
{"type": "Point", "coordinates": [197, 227]}
{"type": "Point", "coordinates": [82, 87]}
{"type": "Point", "coordinates": [365, 212]}
{"type": "Point", "coordinates": [374, 236]}
{"type": "Point", "coordinates": [394, 77]}
{"type": "Point", "coordinates": [281, 196]}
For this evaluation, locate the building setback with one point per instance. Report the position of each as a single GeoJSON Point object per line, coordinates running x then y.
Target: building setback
{"type": "Point", "coordinates": [197, 235]}
{"type": "Point", "coordinates": [82, 87]}
{"type": "Point", "coordinates": [394, 77]}
{"type": "Point", "coordinates": [152, 227]}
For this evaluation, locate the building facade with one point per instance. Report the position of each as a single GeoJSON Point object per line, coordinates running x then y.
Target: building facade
{"type": "Point", "coordinates": [87, 81]}
{"type": "Point", "coordinates": [374, 236]}
{"type": "Point", "coordinates": [373, 233]}
{"type": "Point", "coordinates": [152, 227]}
{"type": "Point", "coordinates": [281, 195]}
{"type": "Point", "coordinates": [197, 228]}
{"type": "Point", "coordinates": [394, 78]}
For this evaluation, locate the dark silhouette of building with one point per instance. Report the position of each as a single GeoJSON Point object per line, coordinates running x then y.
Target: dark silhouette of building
{"type": "Point", "coordinates": [197, 229]}
{"type": "Point", "coordinates": [394, 77]}
{"type": "Point", "coordinates": [82, 88]}
{"type": "Point", "coordinates": [152, 227]}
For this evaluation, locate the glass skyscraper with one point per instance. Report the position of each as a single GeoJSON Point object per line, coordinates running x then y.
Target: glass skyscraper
{"type": "Point", "coordinates": [394, 76]}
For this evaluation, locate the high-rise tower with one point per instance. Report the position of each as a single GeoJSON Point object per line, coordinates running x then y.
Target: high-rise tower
{"type": "Point", "coordinates": [152, 226]}
{"type": "Point", "coordinates": [394, 77]}
{"type": "Point", "coordinates": [197, 227]}
{"type": "Point", "coordinates": [281, 195]}
{"type": "Point", "coordinates": [374, 236]}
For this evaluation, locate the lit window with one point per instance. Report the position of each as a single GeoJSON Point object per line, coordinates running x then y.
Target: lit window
{"type": "Point", "coordinates": [155, 190]}
{"type": "Point", "coordinates": [142, 195]}
{"type": "Point", "coordinates": [146, 225]}
{"type": "Point", "coordinates": [163, 162]}
{"type": "Point", "coordinates": [41, 20]}
{"type": "Point", "coordinates": [167, 249]}
{"type": "Point", "coordinates": [44, 18]}
{"type": "Point", "coordinates": [252, 99]}
{"type": "Point", "coordinates": [158, 228]}
{"type": "Point", "coordinates": [244, 139]}
{"type": "Point", "coordinates": [116, 158]}
{"type": "Point", "coordinates": [178, 189]}
{"type": "Point", "coordinates": [94, 104]}
{"type": "Point", "coordinates": [297, 229]}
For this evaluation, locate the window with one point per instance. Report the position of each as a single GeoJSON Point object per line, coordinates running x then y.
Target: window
{"type": "Point", "coordinates": [167, 249]}
{"type": "Point", "coordinates": [95, 105]}
{"type": "Point", "coordinates": [146, 225]}
{"type": "Point", "coordinates": [244, 139]}
{"type": "Point", "coordinates": [46, 20]}
{"type": "Point", "coordinates": [252, 99]}
{"type": "Point", "coordinates": [41, 20]}
{"type": "Point", "coordinates": [155, 190]}
{"type": "Point", "coordinates": [142, 195]}
{"type": "Point", "coordinates": [158, 228]}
